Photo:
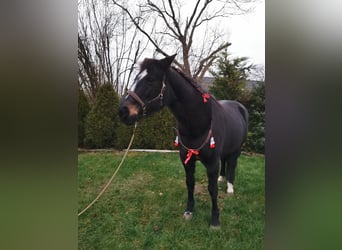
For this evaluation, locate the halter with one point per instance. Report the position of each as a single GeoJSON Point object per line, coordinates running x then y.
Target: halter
{"type": "Point", "coordinates": [142, 103]}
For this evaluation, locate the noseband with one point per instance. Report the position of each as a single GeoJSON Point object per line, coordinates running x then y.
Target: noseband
{"type": "Point", "coordinates": [142, 103]}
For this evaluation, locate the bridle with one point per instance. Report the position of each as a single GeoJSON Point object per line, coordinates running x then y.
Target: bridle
{"type": "Point", "coordinates": [142, 103]}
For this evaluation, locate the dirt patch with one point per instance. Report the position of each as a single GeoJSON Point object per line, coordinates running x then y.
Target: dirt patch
{"type": "Point", "coordinates": [252, 154]}
{"type": "Point", "coordinates": [201, 191]}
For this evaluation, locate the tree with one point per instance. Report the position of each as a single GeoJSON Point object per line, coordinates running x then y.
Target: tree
{"type": "Point", "coordinates": [102, 119]}
{"type": "Point", "coordinates": [186, 27]}
{"type": "Point", "coordinates": [83, 110]}
{"type": "Point", "coordinates": [154, 132]}
{"type": "Point", "coordinates": [230, 78]}
{"type": "Point", "coordinates": [256, 106]}
{"type": "Point", "coordinates": [108, 47]}
{"type": "Point", "coordinates": [230, 83]}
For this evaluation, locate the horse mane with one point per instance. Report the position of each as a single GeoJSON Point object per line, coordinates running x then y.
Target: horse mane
{"type": "Point", "coordinates": [190, 80]}
{"type": "Point", "coordinates": [147, 61]}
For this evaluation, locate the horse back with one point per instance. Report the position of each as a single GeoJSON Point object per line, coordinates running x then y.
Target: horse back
{"type": "Point", "coordinates": [235, 109]}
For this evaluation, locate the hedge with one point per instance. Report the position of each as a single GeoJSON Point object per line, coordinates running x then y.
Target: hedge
{"type": "Point", "coordinates": [102, 119]}
{"type": "Point", "coordinates": [153, 132]}
{"type": "Point", "coordinates": [83, 110]}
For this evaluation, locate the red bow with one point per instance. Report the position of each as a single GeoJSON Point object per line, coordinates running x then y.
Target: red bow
{"type": "Point", "coordinates": [189, 155]}
{"type": "Point", "coordinates": [205, 96]}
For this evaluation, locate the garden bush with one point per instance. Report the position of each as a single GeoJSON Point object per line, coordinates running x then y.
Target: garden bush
{"type": "Point", "coordinates": [153, 132]}
{"type": "Point", "coordinates": [102, 119]}
{"type": "Point", "coordinates": [83, 110]}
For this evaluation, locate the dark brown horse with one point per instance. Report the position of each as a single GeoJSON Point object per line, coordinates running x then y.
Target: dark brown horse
{"type": "Point", "coordinates": [208, 130]}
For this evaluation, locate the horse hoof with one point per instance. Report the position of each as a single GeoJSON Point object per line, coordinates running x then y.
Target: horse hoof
{"type": "Point", "coordinates": [187, 215]}
{"type": "Point", "coordinates": [218, 227]}
{"type": "Point", "coordinates": [230, 189]}
{"type": "Point", "coordinates": [220, 179]}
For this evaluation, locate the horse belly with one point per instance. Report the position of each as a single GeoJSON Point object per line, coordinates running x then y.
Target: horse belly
{"type": "Point", "coordinates": [234, 137]}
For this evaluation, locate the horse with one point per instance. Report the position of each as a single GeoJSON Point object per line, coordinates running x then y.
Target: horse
{"type": "Point", "coordinates": [207, 130]}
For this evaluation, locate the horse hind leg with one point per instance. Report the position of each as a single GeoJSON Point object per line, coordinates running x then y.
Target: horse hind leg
{"type": "Point", "coordinates": [230, 175]}
{"type": "Point", "coordinates": [223, 170]}
{"type": "Point", "coordinates": [212, 173]}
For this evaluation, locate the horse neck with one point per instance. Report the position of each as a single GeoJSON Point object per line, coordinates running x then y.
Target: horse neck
{"type": "Point", "coordinates": [186, 104]}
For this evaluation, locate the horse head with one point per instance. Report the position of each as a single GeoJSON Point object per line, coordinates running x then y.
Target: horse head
{"type": "Point", "coordinates": [146, 96]}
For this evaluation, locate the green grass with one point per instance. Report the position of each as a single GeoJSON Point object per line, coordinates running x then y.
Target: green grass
{"type": "Point", "coordinates": [143, 207]}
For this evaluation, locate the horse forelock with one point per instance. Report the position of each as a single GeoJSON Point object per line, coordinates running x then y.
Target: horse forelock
{"type": "Point", "coordinates": [145, 63]}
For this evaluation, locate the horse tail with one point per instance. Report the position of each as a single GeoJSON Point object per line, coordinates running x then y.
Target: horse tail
{"type": "Point", "coordinates": [244, 112]}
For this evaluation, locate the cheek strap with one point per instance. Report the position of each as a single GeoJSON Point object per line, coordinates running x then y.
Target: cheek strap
{"type": "Point", "coordinates": [142, 104]}
{"type": "Point", "coordinates": [137, 98]}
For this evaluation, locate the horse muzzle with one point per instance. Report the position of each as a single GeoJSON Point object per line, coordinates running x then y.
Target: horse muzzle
{"type": "Point", "coordinates": [129, 113]}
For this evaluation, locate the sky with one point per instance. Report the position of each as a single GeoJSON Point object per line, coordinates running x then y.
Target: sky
{"type": "Point", "coordinates": [247, 35]}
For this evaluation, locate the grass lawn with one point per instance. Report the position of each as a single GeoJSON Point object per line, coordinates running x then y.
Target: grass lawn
{"type": "Point", "coordinates": [144, 205]}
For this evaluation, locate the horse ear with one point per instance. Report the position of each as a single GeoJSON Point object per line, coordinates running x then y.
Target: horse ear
{"type": "Point", "coordinates": [166, 62]}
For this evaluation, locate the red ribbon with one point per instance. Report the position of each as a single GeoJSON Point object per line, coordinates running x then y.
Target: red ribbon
{"type": "Point", "coordinates": [205, 96]}
{"type": "Point", "coordinates": [189, 155]}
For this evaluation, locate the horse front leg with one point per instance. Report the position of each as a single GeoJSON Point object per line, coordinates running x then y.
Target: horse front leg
{"type": "Point", "coordinates": [212, 172]}
{"type": "Point", "coordinates": [190, 184]}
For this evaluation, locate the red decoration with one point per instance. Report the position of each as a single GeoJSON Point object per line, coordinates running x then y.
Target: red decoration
{"type": "Point", "coordinates": [189, 155]}
{"type": "Point", "coordinates": [176, 142]}
{"type": "Point", "coordinates": [212, 143]}
{"type": "Point", "coordinates": [205, 96]}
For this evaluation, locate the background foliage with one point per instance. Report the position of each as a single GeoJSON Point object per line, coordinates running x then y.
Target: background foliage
{"type": "Point", "coordinates": [256, 107]}
{"type": "Point", "coordinates": [102, 119]}
{"type": "Point", "coordinates": [154, 132]}
{"type": "Point", "coordinates": [83, 110]}
{"type": "Point", "coordinates": [230, 78]}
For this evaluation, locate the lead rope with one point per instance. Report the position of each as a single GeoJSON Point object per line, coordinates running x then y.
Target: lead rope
{"type": "Point", "coordinates": [113, 176]}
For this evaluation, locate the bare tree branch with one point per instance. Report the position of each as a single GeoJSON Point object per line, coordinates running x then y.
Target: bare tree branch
{"type": "Point", "coordinates": [194, 26]}
{"type": "Point", "coordinates": [106, 46]}
{"type": "Point", "coordinates": [174, 19]}
{"type": "Point", "coordinates": [188, 23]}
{"type": "Point", "coordinates": [134, 21]}
{"type": "Point", "coordinates": [162, 13]}
{"type": "Point", "coordinates": [209, 59]}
